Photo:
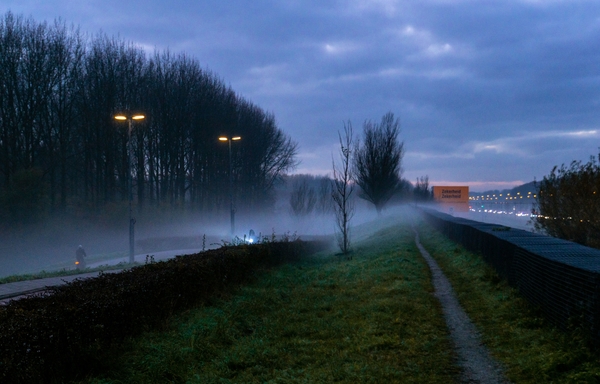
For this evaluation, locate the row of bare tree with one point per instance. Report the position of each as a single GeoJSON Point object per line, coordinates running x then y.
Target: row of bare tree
{"type": "Point", "coordinates": [60, 145]}
{"type": "Point", "coordinates": [373, 168]}
{"type": "Point", "coordinates": [310, 194]}
{"type": "Point", "coordinates": [373, 165]}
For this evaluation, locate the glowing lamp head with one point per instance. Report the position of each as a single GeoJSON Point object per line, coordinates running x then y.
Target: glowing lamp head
{"type": "Point", "coordinates": [134, 117]}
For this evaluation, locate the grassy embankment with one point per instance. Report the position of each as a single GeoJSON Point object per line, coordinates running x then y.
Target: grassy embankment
{"type": "Point", "coordinates": [326, 319]}
{"type": "Point", "coordinates": [369, 319]}
{"type": "Point", "coordinates": [531, 349]}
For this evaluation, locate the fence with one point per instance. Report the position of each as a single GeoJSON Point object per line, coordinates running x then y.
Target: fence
{"type": "Point", "coordinates": [559, 276]}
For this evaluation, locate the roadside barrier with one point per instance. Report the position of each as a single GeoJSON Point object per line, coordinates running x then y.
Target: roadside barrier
{"type": "Point", "coordinates": [559, 276]}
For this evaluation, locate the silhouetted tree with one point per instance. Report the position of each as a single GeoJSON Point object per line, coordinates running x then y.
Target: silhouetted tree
{"type": "Point", "coordinates": [303, 198]}
{"type": "Point", "coordinates": [60, 121]}
{"type": "Point", "coordinates": [342, 190]}
{"type": "Point", "coordinates": [421, 190]}
{"type": "Point", "coordinates": [60, 91]}
{"type": "Point", "coordinates": [27, 77]}
{"type": "Point", "coordinates": [377, 163]}
{"type": "Point", "coordinates": [25, 197]}
{"type": "Point", "coordinates": [568, 203]}
{"type": "Point", "coordinates": [267, 153]}
{"type": "Point", "coordinates": [113, 82]}
{"type": "Point", "coordinates": [324, 201]}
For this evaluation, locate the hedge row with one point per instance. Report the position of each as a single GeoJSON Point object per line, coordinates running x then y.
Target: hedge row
{"type": "Point", "coordinates": [64, 335]}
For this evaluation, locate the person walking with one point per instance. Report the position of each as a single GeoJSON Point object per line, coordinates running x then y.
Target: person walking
{"type": "Point", "coordinates": [79, 257]}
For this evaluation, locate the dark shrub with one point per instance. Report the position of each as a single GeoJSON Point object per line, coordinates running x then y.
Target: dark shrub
{"type": "Point", "coordinates": [66, 333]}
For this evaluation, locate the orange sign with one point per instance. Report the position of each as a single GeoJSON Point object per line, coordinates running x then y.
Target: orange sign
{"type": "Point", "coordinates": [452, 198]}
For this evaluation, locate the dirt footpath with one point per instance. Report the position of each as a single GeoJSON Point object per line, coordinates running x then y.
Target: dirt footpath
{"type": "Point", "coordinates": [478, 366]}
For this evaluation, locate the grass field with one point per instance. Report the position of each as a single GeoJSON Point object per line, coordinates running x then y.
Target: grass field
{"type": "Point", "coordinates": [531, 349]}
{"type": "Point", "coordinates": [371, 319]}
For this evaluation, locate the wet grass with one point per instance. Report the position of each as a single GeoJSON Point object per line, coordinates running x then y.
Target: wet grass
{"type": "Point", "coordinates": [370, 319]}
{"type": "Point", "coordinates": [531, 349]}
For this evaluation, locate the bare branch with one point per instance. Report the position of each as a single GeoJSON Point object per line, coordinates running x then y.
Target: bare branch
{"type": "Point", "coordinates": [342, 189]}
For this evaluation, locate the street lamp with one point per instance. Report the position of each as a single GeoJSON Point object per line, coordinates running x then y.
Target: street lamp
{"type": "Point", "coordinates": [229, 140]}
{"type": "Point", "coordinates": [130, 119]}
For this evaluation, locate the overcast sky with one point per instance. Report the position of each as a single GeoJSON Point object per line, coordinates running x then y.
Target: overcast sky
{"type": "Point", "coordinates": [490, 94]}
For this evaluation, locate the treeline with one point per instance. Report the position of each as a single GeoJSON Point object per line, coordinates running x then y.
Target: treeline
{"type": "Point", "coordinates": [568, 203]}
{"type": "Point", "coordinates": [60, 146]}
{"type": "Point", "coordinates": [310, 194]}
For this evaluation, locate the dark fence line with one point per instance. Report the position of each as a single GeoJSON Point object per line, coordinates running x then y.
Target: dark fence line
{"type": "Point", "coordinates": [559, 276]}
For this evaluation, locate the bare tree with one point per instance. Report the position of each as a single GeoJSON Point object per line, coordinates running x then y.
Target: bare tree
{"type": "Point", "coordinates": [342, 189]}
{"type": "Point", "coordinates": [311, 201]}
{"type": "Point", "coordinates": [377, 163]}
{"type": "Point", "coordinates": [324, 203]}
{"type": "Point", "coordinates": [421, 191]}
{"type": "Point", "coordinates": [59, 91]}
{"type": "Point", "coordinates": [297, 198]}
{"type": "Point", "coordinates": [300, 197]}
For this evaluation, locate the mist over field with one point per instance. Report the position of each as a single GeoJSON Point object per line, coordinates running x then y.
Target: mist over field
{"type": "Point", "coordinates": [95, 140]}
{"type": "Point", "coordinates": [51, 245]}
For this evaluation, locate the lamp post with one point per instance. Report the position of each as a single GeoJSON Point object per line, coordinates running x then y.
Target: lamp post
{"type": "Point", "coordinates": [229, 140]}
{"type": "Point", "coordinates": [130, 119]}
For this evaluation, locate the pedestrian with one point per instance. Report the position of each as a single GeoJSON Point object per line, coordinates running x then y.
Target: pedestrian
{"type": "Point", "coordinates": [79, 257]}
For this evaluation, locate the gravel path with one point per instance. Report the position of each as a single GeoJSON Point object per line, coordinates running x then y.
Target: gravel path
{"type": "Point", "coordinates": [478, 366]}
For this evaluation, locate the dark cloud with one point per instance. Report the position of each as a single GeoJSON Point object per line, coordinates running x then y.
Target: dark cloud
{"type": "Point", "coordinates": [486, 91]}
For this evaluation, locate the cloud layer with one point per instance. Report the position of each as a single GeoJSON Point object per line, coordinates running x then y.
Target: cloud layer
{"type": "Point", "coordinates": [488, 93]}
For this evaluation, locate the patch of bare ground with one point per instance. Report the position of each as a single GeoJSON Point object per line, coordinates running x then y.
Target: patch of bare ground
{"type": "Point", "coordinates": [478, 366]}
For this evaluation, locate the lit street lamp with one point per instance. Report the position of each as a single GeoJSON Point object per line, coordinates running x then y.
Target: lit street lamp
{"type": "Point", "coordinates": [130, 119]}
{"type": "Point", "coordinates": [230, 139]}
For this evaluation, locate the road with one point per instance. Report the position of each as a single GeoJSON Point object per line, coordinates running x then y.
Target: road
{"type": "Point", "coordinates": [141, 258]}
{"type": "Point", "coordinates": [509, 220]}
{"type": "Point", "coordinates": [20, 289]}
